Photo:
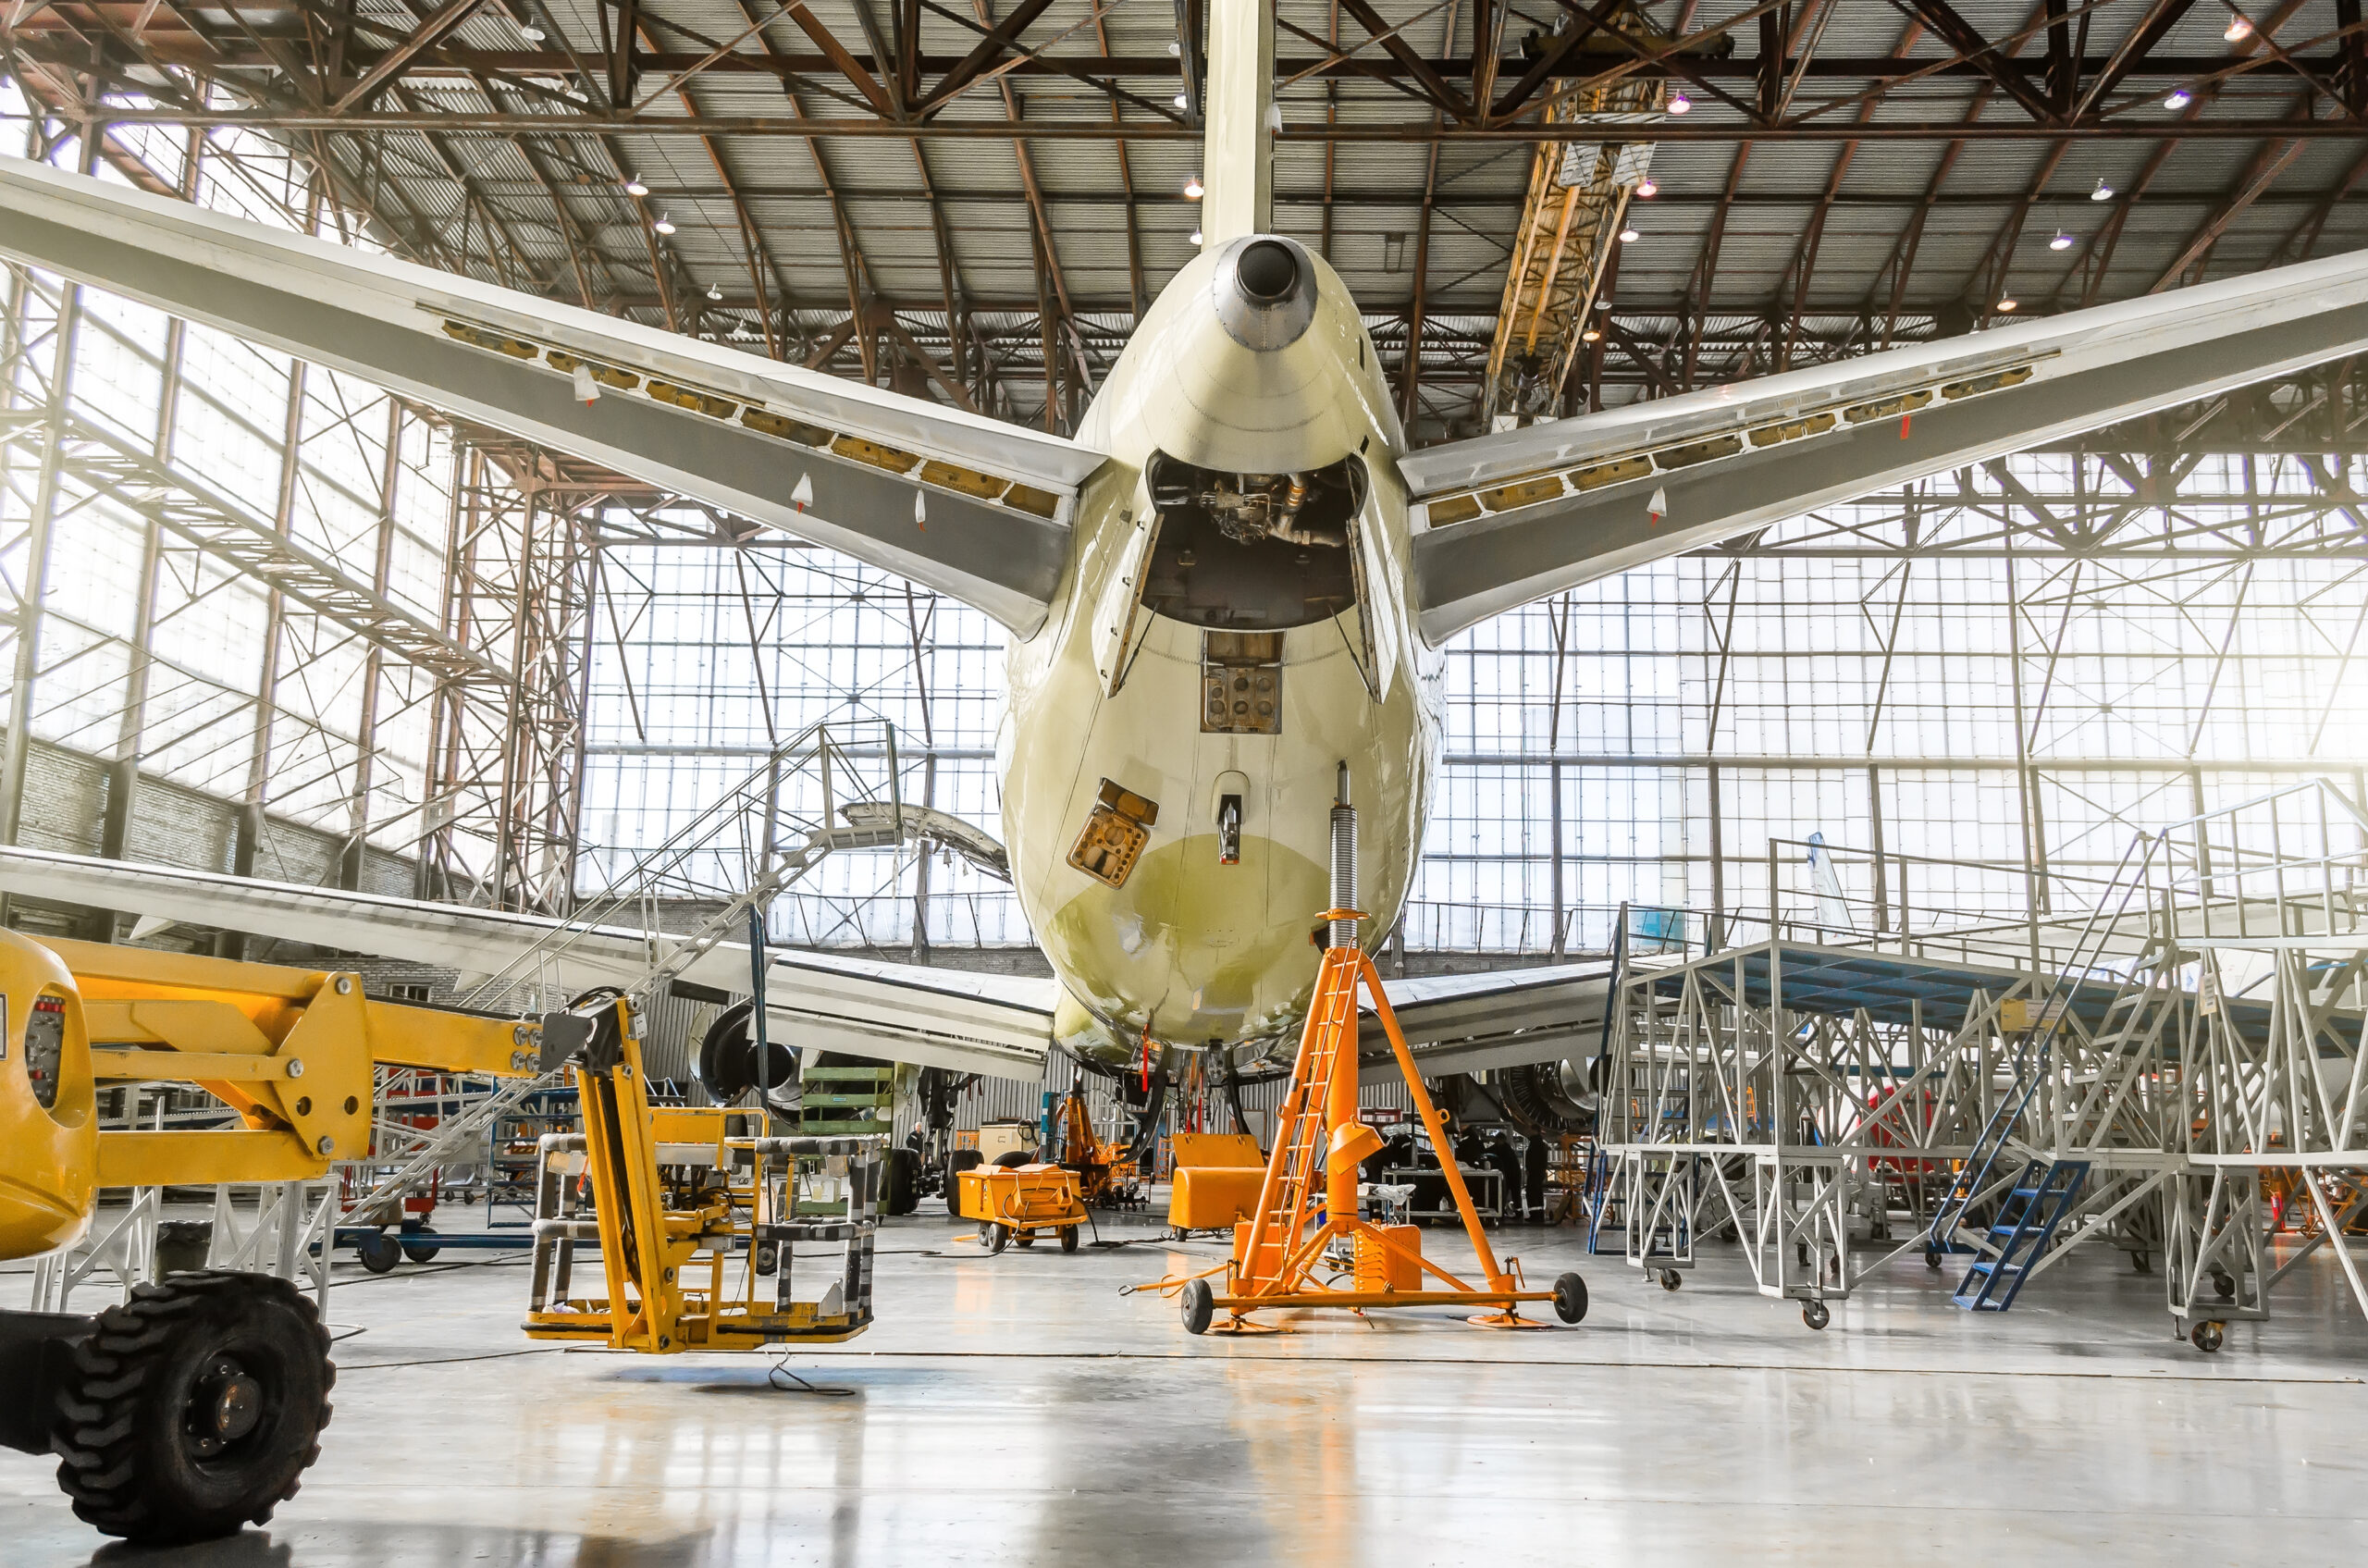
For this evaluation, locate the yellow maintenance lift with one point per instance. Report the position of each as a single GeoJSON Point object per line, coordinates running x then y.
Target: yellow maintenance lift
{"type": "Point", "coordinates": [194, 1408]}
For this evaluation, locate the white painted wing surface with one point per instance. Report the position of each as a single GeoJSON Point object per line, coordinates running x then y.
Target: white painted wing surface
{"type": "Point", "coordinates": [995, 1024]}
{"type": "Point", "coordinates": [970, 506]}
{"type": "Point", "coordinates": [1505, 1018]}
{"type": "Point", "coordinates": [1508, 518]}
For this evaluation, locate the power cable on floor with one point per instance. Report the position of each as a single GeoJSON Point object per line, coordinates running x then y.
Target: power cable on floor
{"type": "Point", "coordinates": [796, 1385]}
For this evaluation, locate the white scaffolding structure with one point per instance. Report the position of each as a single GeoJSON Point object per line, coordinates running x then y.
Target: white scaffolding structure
{"type": "Point", "coordinates": [2144, 1065]}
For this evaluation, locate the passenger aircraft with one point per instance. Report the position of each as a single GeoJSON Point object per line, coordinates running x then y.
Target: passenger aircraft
{"type": "Point", "coordinates": [1234, 578]}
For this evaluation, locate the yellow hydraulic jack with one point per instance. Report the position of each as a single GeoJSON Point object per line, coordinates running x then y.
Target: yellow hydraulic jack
{"type": "Point", "coordinates": [1289, 1254]}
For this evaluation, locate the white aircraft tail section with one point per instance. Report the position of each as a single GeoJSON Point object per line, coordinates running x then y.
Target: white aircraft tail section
{"type": "Point", "coordinates": [1237, 146]}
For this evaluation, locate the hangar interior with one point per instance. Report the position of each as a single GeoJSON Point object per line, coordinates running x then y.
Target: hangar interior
{"type": "Point", "coordinates": [1952, 764]}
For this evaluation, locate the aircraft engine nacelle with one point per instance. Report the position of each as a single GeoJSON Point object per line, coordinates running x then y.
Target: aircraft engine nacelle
{"type": "Point", "coordinates": [49, 1132]}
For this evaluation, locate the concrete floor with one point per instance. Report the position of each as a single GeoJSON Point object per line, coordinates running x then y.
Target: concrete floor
{"type": "Point", "coordinates": [1016, 1409]}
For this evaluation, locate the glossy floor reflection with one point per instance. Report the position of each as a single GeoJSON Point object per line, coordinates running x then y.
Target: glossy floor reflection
{"type": "Point", "coordinates": [1018, 1409]}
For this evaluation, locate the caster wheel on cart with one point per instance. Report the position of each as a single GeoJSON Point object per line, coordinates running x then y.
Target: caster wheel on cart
{"type": "Point", "coordinates": [996, 1237]}
{"type": "Point", "coordinates": [2206, 1336]}
{"type": "Point", "coordinates": [1672, 1279]}
{"type": "Point", "coordinates": [379, 1252]}
{"type": "Point", "coordinates": [1932, 1259]}
{"type": "Point", "coordinates": [193, 1408]}
{"type": "Point", "coordinates": [2226, 1284]}
{"type": "Point", "coordinates": [419, 1251]}
{"type": "Point", "coordinates": [1200, 1306]}
{"type": "Point", "coordinates": [1815, 1314]}
{"type": "Point", "coordinates": [767, 1258]}
{"type": "Point", "coordinates": [1068, 1239]}
{"type": "Point", "coordinates": [1570, 1298]}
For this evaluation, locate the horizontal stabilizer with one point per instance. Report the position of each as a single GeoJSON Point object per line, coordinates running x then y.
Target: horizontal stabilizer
{"type": "Point", "coordinates": [1511, 517]}
{"type": "Point", "coordinates": [970, 506]}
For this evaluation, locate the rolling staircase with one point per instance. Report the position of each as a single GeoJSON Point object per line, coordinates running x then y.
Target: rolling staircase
{"type": "Point", "coordinates": [2029, 1213]}
{"type": "Point", "coordinates": [2041, 1196]}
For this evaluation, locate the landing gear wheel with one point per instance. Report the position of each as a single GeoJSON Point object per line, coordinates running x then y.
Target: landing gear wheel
{"type": "Point", "coordinates": [194, 1408]}
{"type": "Point", "coordinates": [1570, 1298]}
{"type": "Point", "coordinates": [419, 1251]}
{"type": "Point", "coordinates": [1815, 1314]}
{"type": "Point", "coordinates": [379, 1252]}
{"type": "Point", "coordinates": [1672, 1279]}
{"type": "Point", "coordinates": [901, 1184]}
{"type": "Point", "coordinates": [2206, 1336]}
{"type": "Point", "coordinates": [1069, 1238]}
{"type": "Point", "coordinates": [2226, 1284]}
{"type": "Point", "coordinates": [1201, 1305]}
{"type": "Point", "coordinates": [996, 1237]}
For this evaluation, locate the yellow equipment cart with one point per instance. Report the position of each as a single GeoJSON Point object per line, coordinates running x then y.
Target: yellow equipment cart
{"type": "Point", "coordinates": [1014, 1202]}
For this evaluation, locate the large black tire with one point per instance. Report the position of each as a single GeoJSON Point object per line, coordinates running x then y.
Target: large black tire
{"type": "Point", "coordinates": [379, 1252]}
{"type": "Point", "coordinates": [420, 1251]}
{"type": "Point", "coordinates": [956, 1163]}
{"type": "Point", "coordinates": [1200, 1306]}
{"type": "Point", "coordinates": [902, 1193]}
{"type": "Point", "coordinates": [1570, 1298]}
{"type": "Point", "coordinates": [1012, 1159]}
{"type": "Point", "coordinates": [194, 1408]}
{"type": "Point", "coordinates": [1069, 1238]}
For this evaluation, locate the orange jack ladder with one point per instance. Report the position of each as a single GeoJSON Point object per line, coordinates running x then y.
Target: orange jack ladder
{"type": "Point", "coordinates": [1309, 1197]}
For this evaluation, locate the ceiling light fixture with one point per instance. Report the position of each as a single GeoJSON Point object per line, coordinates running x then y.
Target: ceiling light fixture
{"type": "Point", "coordinates": [1196, 236]}
{"type": "Point", "coordinates": [1591, 335]}
{"type": "Point", "coordinates": [1192, 188]}
{"type": "Point", "coordinates": [2104, 192]}
{"type": "Point", "coordinates": [2007, 304]}
{"type": "Point", "coordinates": [2239, 28]}
{"type": "Point", "coordinates": [2062, 242]}
{"type": "Point", "coordinates": [664, 224]}
{"type": "Point", "coordinates": [1629, 236]}
{"type": "Point", "coordinates": [1182, 101]}
{"type": "Point", "coordinates": [1647, 188]}
{"type": "Point", "coordinates": [530, 32]}
{"type": "Point", "coordinates": [1679, 103]}
{"type": "Point", "coordinates": [2179, 99]}
{"type": "Point", "coordinates": [715, 290]}
{"type": "Point", "coordinates": [633, 186]}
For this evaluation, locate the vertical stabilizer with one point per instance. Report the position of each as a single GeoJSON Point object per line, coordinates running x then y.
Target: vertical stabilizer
{"type": "Point", "coordinates": [1237, 150]}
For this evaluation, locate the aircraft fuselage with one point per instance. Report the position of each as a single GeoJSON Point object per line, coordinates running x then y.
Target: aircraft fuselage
{"type": "Point", "coordinates": [1234, 623]}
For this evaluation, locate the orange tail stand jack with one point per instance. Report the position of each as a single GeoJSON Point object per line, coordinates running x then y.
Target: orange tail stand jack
{"type": "Point", "coordinates": [1284, 1255]}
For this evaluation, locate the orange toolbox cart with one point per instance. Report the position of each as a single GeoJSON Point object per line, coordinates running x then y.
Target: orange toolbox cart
{"type": "Point", "coordinates": [1015, 1202]}
{"type": "Point", "coordinates": [1215, 1183]}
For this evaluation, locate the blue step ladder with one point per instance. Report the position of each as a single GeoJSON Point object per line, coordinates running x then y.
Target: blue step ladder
{"type": "Point", "coordinates": [2026, 1223]}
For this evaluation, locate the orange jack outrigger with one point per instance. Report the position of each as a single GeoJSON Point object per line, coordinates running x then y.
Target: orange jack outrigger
{"type": "Point", "coordinates": [1284, 1255]}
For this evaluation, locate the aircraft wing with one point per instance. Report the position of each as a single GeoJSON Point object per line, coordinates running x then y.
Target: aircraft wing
{"type": "Point", "coordinates": [1504, 519]}
{"type": "Point", "coordinates": [996, 1024]}
{"type": "Point", "coordinates": [1506, 1018]}
{"type": "Point", "coordinates": [970, 506]}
